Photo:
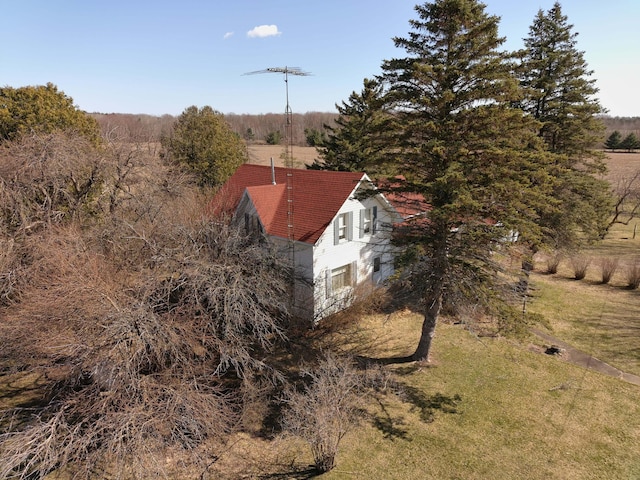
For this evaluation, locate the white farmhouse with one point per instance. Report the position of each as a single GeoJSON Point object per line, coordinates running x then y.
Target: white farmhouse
{"type": "Point", "coordinates": [338, 234]}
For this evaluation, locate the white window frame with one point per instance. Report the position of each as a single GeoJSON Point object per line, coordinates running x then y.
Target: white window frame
{"type": "Point", "coordinates": [342, 228]}
{"type": "Point", "coordinates": [348, 274]}
{"type": "Point", "coordinates": [341, 278]}
{"type": "Point", "coordinates": [368, 220]}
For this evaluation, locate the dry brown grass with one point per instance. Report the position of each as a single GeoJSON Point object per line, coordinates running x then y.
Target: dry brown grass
{"type": "Point", "coordinates": [622, 164]}
{"type": "Point", "coordinates": [262, 155]}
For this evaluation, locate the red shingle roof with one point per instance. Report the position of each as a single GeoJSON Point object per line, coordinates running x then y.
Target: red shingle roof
{"type": "Point", "coordinates": [317, 196]}
{"type": "Point", "coordinates": [407, 204]}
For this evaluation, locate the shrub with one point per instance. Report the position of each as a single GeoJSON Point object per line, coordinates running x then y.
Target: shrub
{"type": "Point", "coordinates": [273, 138]}
{"type": "Point", "coordinates": [553, 262]}
{"type": "Point", "coordinates": [325, 409]}
{"type": "Point", "coordinates": [608, 267]}
{"type": "Point", "coordinates": [633, 275]}
{"type": "Point", "coordinates": [580, 265]}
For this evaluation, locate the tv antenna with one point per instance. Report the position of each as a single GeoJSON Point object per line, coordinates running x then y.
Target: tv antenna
{"type": "Point", "coordinates": [288, 152]}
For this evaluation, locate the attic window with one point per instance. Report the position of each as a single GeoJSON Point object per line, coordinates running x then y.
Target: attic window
{"type": "Point", "coordinates": [252, 224]}
{"type": "Point", "coordinates": [342, 227]}
{"type": "Point", "coordinates": [368, 217]}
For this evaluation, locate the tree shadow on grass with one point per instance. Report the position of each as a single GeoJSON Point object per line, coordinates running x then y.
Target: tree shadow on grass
{"type": "Point", "coordinates": [427, 406]}
{"type": "Point", "coordinates": [294, 473]}
{"type": "Point", "coordinates": [391, 427]}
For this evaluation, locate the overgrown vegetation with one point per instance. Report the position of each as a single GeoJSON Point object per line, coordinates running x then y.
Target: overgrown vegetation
{"type": "Point", "coordinates": [143, 320]}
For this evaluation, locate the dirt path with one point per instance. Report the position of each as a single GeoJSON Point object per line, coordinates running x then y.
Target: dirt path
{"type": "Point", "coordinates": [578, 357]}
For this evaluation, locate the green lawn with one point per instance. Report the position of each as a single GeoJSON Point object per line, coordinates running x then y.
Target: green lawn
{"type": "Point", "coordinates": [603, 320]}
{"type": "Point", "coordinates": [495, 409]}
{"type": "Point", "coordinates": [520, 415]}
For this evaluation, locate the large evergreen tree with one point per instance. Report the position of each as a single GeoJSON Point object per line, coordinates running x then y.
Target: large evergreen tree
{"type": "Point", "coordinates": [42, 109]}
{"type": "Point", "coordinates": [560, 94]}
{"type": "Point", "coordinates": [356, 142]}
{"type": "Point", "coordinates": [203, 142]}
{"type": "Point", "coordinates": [461, 144]}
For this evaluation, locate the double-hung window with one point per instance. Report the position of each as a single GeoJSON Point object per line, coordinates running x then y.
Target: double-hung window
{"type": "Point", "coordinates": [342, 227]}
{"type": "Point", "coordinates": [340, 277]}
{"type": "Point", "coordinates": [368, 218]}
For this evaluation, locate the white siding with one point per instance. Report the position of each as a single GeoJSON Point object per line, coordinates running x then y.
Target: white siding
{"type": "Point", "coordinates": [331, 252]}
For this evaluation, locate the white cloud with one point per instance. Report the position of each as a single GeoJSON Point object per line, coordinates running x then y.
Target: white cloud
{"type": "Point", "coordinates": [262, 31]}
{"type": "Point", "coordinates": [228, 35]}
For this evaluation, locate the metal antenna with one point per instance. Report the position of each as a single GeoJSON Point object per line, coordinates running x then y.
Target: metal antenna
{"type": "Point", "coordinates": [288, 162]}
{"type": "Point", "coordinates": [288, 153]}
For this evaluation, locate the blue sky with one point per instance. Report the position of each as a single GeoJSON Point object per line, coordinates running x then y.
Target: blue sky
{"type": "Point", "coordinates": [139, 56]}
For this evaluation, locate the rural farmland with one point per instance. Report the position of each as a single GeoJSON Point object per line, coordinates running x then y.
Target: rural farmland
{"type": "Point", "coordinates": [450, 291]}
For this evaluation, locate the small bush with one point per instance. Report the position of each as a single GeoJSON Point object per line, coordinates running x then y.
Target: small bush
{"type": "Point", "coordinates": [273, 138]}
{"type": "Point", "coordinates": [608, 267]}
{"type": "Point", "coordinates": [580, 265]}
{"type": "Point", "coordinates": [553, 262]}
{"type": "Point", "coordinates": [633, 275]}
{"type": "Point", "coordinates": [325, 409]}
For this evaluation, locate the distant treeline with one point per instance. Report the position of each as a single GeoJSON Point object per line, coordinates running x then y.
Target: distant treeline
{"type": "Point", "coordinates": [625, 125]}
{"type": "Point", "coordinates": [259, 128]}
{"type": "Point", "coordinates": [253, 128]}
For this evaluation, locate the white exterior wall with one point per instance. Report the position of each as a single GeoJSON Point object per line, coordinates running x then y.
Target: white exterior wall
{"type": "Point", "coordinates": [359, 250]}
{"type": "Point", "coordinates": [303, 289]}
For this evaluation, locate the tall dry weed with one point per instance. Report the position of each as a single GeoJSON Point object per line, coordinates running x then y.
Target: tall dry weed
{"type": "Point", "coordinates": [580, 264]}
{"type": "Point", "coordinates": [633, 274]}
{"type": "Point", "coordinates": [553, 262]}
{"type": "Point", "coordinates": [608, 267]}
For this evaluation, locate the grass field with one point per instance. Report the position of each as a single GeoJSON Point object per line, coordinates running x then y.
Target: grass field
{"type": "Point", "coordinates": [262, 155]}
{"type": "Point", "coordinates": [486, 408]}
{"type": "Point", "coordinates": [603, 320]}
{"type": "Point", "coordinates": [622, 164]}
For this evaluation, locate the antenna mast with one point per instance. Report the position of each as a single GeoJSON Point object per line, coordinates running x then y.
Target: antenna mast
{"type": "Point", "coordinates": [288, 153]}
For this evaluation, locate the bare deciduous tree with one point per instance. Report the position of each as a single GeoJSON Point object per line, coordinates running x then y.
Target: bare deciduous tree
{"type": "Point", "coordinates": [626, 193]}
{"type": "Point", "coordinates": [140, 319]}
{"type": "Point", "coordinates": [48, 179]}
{"type": "Point", "coordinates": [325, 409]}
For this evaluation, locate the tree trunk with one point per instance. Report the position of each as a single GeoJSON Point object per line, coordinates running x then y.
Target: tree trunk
{"type": "Point", "coordinates": [431, 313]}
{"type": "Point", "coordinates": [435, 282]}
